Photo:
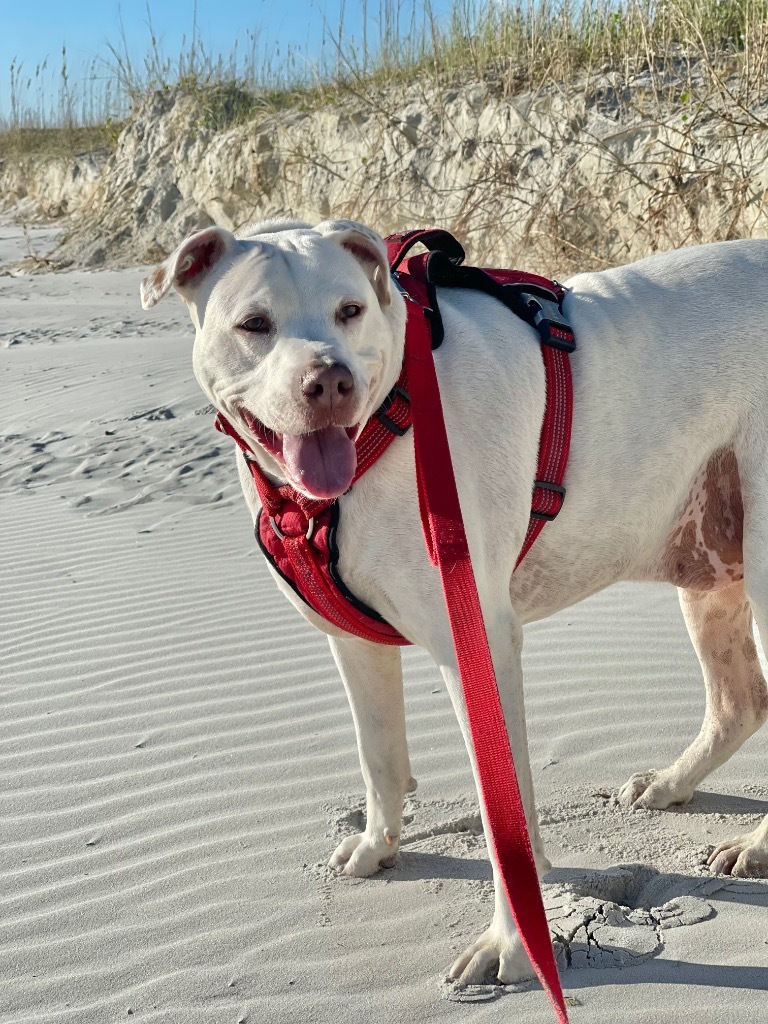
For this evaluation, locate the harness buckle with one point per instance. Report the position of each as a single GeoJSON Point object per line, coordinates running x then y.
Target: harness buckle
{"type": "Point", "coordinates": [545, 485]}
{"type": "Point", "coordinates": [386, 405]}
{"type": "Point", "coordinates": [553, 328]}
{"type": "Point", "coordinates": [281, 536]}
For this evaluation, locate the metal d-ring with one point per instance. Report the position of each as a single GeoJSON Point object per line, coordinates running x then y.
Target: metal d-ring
{"type": "Point", "coordinates": [281, 536]}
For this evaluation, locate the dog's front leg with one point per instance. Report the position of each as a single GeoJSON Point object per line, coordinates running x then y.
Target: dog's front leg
{"type": "Point", "coordinates": [499, 952]}
{"type": "Point", "coordinates": [372, 677]}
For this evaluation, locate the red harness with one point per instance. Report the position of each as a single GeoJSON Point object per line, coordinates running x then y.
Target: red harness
{"type": "Point", "coordinates": [298, 534]}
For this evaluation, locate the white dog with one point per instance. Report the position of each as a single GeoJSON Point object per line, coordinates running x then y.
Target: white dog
{"type": "Point", "coordinates": [667, 479]}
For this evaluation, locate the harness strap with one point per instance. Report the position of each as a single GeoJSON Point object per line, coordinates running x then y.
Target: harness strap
{"type": "Point", "coordinates": [434, 239]}
{"type": "Point", "coordinates": [325, 598]}
{"type": "Point", "coordinates": [554, 446]}
{"type": "Point", "coordinates": [447, 544]}
{"type": "Point", "coordinates": [534, 299]}
{"type": "Point", "coordinates": [305, 527]}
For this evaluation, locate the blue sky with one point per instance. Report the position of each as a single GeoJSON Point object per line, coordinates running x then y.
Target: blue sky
{"type": "Point", "coordinates": [31, 30]}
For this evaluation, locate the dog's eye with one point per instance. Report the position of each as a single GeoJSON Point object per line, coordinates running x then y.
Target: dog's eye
{"type": "Point", "coordinates": [255, 325]}
{"type": "Point", "coordinates": [350, 311]}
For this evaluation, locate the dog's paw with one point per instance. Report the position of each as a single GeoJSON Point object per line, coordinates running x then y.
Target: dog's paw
{"type": "Point", "coordinates": [653, 790]}
{"type": "Point", "coordinates": [744, 857]}
{"type": "Point", "coordinates": [362, 855]}
{"type": "Point", "coordinates": [494, 957]}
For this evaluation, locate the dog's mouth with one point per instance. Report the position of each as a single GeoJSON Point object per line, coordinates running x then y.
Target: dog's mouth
{"type": "Point", "coordinates": [321, 463]}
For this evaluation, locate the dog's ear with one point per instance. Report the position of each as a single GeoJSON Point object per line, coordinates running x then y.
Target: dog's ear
{"type": "Point", "coordinates": [186, 267]}
{"type": "Point", "coordinates": [367, 247]}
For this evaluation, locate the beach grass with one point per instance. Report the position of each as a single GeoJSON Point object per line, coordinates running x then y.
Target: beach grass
{"type": "Point", "coordinates": [519, 45]}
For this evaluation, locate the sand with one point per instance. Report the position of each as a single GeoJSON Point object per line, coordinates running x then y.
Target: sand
{"type": "Point", "coordinates": [178, 760]}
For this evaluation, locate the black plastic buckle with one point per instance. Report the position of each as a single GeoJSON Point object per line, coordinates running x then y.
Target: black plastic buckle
{"type": "Point", "coordinates": [386, 405]}
{"type": "Point", "coordinates": [553, 328]}
{"type": "Point", "coordinates": [545, 485]}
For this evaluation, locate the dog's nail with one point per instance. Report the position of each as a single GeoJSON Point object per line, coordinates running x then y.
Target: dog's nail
{"type": "Point", "coordinates": [390, 838]}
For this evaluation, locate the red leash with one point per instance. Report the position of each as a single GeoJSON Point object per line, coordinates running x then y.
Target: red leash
{"type": "Point", "coordinates": [447, 544]}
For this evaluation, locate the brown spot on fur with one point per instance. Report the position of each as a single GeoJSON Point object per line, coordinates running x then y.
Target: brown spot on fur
{"type": "Point", "coordinates": [723, 518]}
{"type": "Point", "coordinates": [760, 695]}
{"type": "Point", "coordinates": [704, 550]}
{"type": "Point", "coordinates": [739, 613]}
{"type": "Point", "coordinates": [692, 563]}
{"type": "Point", "coordinates": [157, 277]}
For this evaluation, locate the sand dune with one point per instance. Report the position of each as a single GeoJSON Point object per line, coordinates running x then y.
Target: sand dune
{"type": "Point", "coordinates": [178, 759]}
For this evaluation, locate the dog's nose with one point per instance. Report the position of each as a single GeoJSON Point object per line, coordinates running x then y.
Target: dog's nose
{"type": "Point", "coordinates": [328, 386]}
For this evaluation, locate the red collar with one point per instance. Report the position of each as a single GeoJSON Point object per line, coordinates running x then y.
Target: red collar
{"type": "Point", "coordinates": [298, 534]}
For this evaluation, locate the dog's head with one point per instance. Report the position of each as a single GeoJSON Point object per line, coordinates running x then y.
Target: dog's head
{"type": "Point", "coordinates": [299, 337]}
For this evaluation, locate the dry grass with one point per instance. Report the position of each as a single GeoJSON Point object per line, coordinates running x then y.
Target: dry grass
{"type": "Point", "coordinates": [520, 45]}
{"type": "Point", "coordinates": [66, 142]}
{"type": "Point", "coordinates": [637, 125]}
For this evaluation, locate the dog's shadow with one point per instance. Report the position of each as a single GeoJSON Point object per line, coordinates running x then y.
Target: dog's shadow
{"type": "Point", "coordinates": [677, 972]}
{"type": "Point", "coordinates": [705, 802]}
{"type": "Point", "coordinates": [418, 866]}
{"type": "Point", "coordinates": [615, 918]}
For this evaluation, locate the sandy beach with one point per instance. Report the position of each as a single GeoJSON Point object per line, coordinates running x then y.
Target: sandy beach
{"type": "Point", "coordinates": [178, 759]}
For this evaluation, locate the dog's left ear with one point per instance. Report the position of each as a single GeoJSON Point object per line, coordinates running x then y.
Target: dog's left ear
{"type": "Point", "coordinates": [185, 268]}
{"type": "Point", "coordinates": [368, 249]}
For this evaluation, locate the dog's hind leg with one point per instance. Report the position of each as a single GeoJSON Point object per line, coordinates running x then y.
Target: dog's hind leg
{"type": "Point", "coordinates": [720, 626]}
{"type": "Point", "coordinates": [372, 677]}
{"type": "Point", "coordinates": [748, 854]}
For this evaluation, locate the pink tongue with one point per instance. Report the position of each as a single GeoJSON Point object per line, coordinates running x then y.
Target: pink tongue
{"type": "Point", "coordinates": [322, 463]}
